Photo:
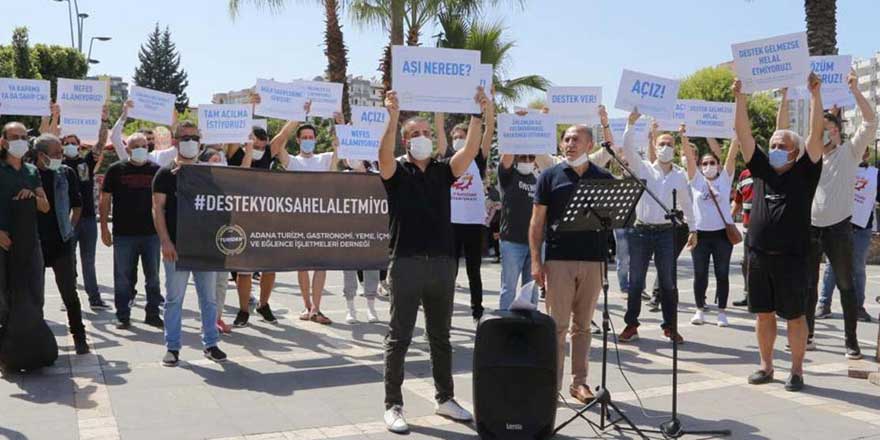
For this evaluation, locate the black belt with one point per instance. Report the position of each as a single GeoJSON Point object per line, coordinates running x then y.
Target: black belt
{"type": "Point", "coordinates": [653, 227]}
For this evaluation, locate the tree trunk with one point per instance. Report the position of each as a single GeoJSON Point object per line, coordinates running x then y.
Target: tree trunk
{"type": "Point", "coordinates": [821, 26]}
{"type": "Point", "coordinates": [397, 11]}
{"type": "Point", "coordinates": [336, 52]}
{"type": "Point", "coordinates": [412, 35]}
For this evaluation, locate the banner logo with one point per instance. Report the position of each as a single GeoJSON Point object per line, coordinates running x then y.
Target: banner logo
{"type": "Point", "coordinates": [231, 240]}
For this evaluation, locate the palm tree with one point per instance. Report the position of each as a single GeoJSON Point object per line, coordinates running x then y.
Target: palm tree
{"type": "Point", "coordinates": [335, 50]}
{"type": "Point", "coordinates": [821, 26]}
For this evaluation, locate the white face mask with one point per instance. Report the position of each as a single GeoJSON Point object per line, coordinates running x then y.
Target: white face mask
{"type": "Point", "coordinates": [458, 144]}
{"type": "Point", "coordinates": [356, 165]}
{"type": "Point", "coordinates": [665, 154]}
{"type": "Point", "coordinates": [421, 148]}
{"type": "Point", "coordinates": [54, 164]}
{"type": "Point", "coordinates": [71, 150]}
{"type": "Point", "coordinates": [710, 171]}
{"type": "Point", "coordinates": [139, 155]}
{"type": "Point", "coordinates": [18, 148]}
{"type": "Point", "coordinates": [258, 154]}
{"type": "Point", "coordinates": [188, 149]}
{"type": "Point", "coordinates": [525, 167]}
{"type": "Point", "coordinates": [578, 162]}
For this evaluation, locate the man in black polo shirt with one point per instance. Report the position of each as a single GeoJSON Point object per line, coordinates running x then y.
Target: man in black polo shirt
{"type": "Point", "coordinates": [571, 271]}
{"type": "Point", "coordinates": [422, 269]}
{"type": "Point", "coordinates": [784, 182]}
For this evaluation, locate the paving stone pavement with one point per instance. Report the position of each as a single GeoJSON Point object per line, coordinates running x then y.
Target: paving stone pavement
{"type": "Point", "coordinates": [300, 380]}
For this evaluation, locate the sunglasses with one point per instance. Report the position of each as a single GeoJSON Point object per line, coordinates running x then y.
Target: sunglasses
{"type": "Point", "coordinates": [190, 138]}
{"type": "Point", "coordinates": [709, 163]}
{"type": "Point", "coordinates": [665, 144]}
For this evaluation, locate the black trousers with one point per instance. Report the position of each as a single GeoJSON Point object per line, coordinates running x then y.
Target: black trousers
{"type": "Point", "coordinates": [745, 261]}
{"type": "Point", "coordinates": [836, 241]}
{"type": "Point", "coordinates": [469, 242]}
{"type": "Point", "coordinates": [429, 281]}
{"type": "Point", "coordinates": [62, 260]}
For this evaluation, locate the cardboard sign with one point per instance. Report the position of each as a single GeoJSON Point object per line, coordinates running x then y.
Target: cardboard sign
{"type": "Point", "coordinates": [25, 97]}
{"type": "Point", "coordinates": [225, 123]}
{"type": "Point", "coordinates": [435, 79]}
{"type": "Point", "coordinates": [652, 95]}
{"type": "Point", "coordinates": [575, 105]}
{"type": "Point", "coordinates": [771, 63]}
{"type": "Point", "coordinates": [151, 105]}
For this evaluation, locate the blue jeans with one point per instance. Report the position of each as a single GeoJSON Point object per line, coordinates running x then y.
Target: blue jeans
{"type": "Point", "coordinates": [86, 237]}
{"type": "Point", "coordinates": [643, 243]}
{"type": "Point", "coordinates": [716, 245]}
{"type": "Point", "coordinates": [861, 244]}
{"type": "Point", "coordinates": [621, 259]}
{"type": "Point", "coordinates": [126, 250]}
{"type": "Point", "coordinates": [175, 289]}
{"type": "Point", "coordinates": [515, 261]}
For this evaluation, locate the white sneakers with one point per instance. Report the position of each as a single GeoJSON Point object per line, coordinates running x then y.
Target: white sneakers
{"type": "Point", "coordinates": [722, 319]}
{"type": "Point", "coordinates": [453, 410]}
{"type": "Point", "coordinates": [394, 420]}
{"type": "Point", "coordinates": [699, 317]}
{"type": "Point", "coordinates": [351, 314]}
{"type": "Point", "coordinates": [372, 317]}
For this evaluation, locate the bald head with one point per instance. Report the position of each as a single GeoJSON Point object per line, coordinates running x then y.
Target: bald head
{"type": "Point", "coordinates": [577, 140]}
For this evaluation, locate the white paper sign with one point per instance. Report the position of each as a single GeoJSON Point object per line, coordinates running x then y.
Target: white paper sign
{"type": "Point", "coordinates": [865, 195]}
{"type": "Point", "coordinates": [529, 134]}
{"type": "Point", "coordinates": [487, 72]}
{"type": "Point", "coordinates": [151, 105]}
{"type": "Point", "coordinates": [25, 97]}
{"type": "Point", "coordinates": [80, 94]}
{"type": "Point", "coordinates": [833, 70]}
{"type": "Point", "coordinates": [281, 100]}
{"type": "Point", "coordinates": [679, 117]}
{"type": "Point", "coordinates": [653, 95]}
{"type": "Point", "coordinates": [84, 124]}
{"type": "Point", "coordinates": [365, 116]}
{"type": "Point", "coordinates": [326, 97]}
{"type": "Point", "coordinates": [575, 105]}
{"type": "Point", "coordinates": [701, 118]}
{"type": "Point", "coordinates": [225, 123]}
{"type": "Point", "coordinates": [618, 126]}
{"type": "Point", "coordinates": [436, 79]}
{"type": "Point", "coordinates": [771, 63]}
{"type": "Point", "coordinates": [262, 123]}
{"type": "Point", "coordinates": [359, 143]}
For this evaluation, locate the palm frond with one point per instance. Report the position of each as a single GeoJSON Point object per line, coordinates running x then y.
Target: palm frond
{"type": "Point", "coordinates": [371, 13]}
{"type": "Point", "coordinates": [234, 6]}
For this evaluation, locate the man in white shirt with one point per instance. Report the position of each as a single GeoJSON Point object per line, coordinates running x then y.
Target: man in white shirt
{"type": "Point", "coordinates": [832, 208]}
{"type": "Point", "coordinates": [158, 157]}
{"type": "Point", "coordinates": [653, 232]}
{"type": "Point", "coordinates": [309, 161]}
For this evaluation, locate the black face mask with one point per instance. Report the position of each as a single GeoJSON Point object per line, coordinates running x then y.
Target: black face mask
{"type": "Point", "coordinates": [151, 146]}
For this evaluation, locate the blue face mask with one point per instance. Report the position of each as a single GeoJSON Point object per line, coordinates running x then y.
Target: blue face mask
{"type": "Point", "coordinates": [307, 145]}
{"type": "Point", "coordinates": [778, 158]}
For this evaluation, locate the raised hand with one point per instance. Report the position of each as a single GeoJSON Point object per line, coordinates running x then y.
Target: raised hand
{"type": "Point", "coordinates": [603, 115]}
{"type": "Point", "coordinates": [853, 81]}
{"type": "Point", "coordinates": [737, 86]}
{"type": "Point", "coordinates": [634, 116]}
{"type": "Point", "coordinates": [338, 118]}
{"type": "Point", "coordinates": [814, 83]}
{"type": "Point", "coordinates": [482, 99]}
{"type": "Point", "coordinates": [392, 103]}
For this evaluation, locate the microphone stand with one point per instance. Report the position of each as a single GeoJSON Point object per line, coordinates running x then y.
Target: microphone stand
{"type": "Point", "coordinates": [672, 427]}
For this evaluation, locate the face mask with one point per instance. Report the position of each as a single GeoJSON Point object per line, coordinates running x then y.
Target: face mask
{"type": "Point", "coordinates": [188, 149]}
{"type": "Point", "coordinates": [151, 146]}
{"type": "Point", "coordinates": [665, 154]}
{"type": "Point", "coordinates": [710, 171]}
{"type": "Point", "coordinates": [421, 147]}
{"type": "Point", "coordinates": [307, 146]}
{"type": "Point", "coordinates": [458, 144]}
{"type": "Point", "coordinates": [525, 167]}
{"type": "Point", "coordinates": [826, 137]}
{"type": "Point", "coordinates": [139, 155]}
{"type": "Point", "coordinates": [258, 154]}
{"type": "Point", "coordinates": [778, 158]}
{"type": "Point", "coordinates": [54, 164]}
{"type": "Point", "coordinates": [18, 148]}
{"type": "Point", "coordinates": [71, 150]}
{"type": "Point", "coordinates": [578, 162]}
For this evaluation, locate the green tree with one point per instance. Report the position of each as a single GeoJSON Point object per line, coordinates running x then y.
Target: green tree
{"type": "Point", "coordinates": [821, 18]}
{"type": "Point", "coordinates": [7, 62]}
{"type": "Point", "coordinates": [160, 67]}
{"type": "Point", "coordinates": [22, 59]}
{"type": "Point", "coordinates": [55, 62]}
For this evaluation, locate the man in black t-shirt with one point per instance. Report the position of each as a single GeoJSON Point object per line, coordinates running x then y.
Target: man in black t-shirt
{"type": "Point", "coordinates": [127, 187]}
{"type": "Point", "coordinates": [422, 270]}
{"type": "Point", "coordinates": [784, 183]}
{"type": "Point", "coordinates": [517, 180]}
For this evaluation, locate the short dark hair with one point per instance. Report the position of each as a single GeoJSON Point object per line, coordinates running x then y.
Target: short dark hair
{"type": "Point", "coordinates": [460, 126]}
{"type": "Point", "coordinates": [306, 127]}
{"type": "Point", "coordinates": [834, 119]}
{"type": "Point", "coordinates": [260, 133]}
{"type": "Point", "coordinates": [78, 141]}
{"type": "Point", "coordinates": [145, 131]}
{"type": "Point", "coordinates": [184, 124]}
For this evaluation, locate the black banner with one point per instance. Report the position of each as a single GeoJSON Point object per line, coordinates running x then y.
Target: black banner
{"type": "Point", "coordinates": [239, 219]}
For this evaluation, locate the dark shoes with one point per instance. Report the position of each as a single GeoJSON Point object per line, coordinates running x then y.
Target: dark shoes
{"type": "Point", "coordinates": [742, 303]}
{"type": "Point", "coordinates": [98, 304]}
{"type": "Point", "coordinates": [80, 344]}
{"type": "Point", "coordinates": [266, 313]}
{"type": "Point", "coordinates": [215, 354]}
{"type": "Point", "coordinates": [852, 351]}
{"type": "Point", "coordinates": [794, 383]}
{"type": "Point", "coordinates": [171, 358]}
{"type": "Point", "coordinates": [673, 337]}
{"type": "Point", "coordinates": [823, 311]}
{"type": "Point", "coordinates": [123, 324]}
{"type": "Point", "coordinates": [864, 316]}
{"type": "Point", "coordinates": [760, 377]}
{"type": "Point", "coordinates": [241, 319]}
{"type": "Point", "coordinates": [154, 321]}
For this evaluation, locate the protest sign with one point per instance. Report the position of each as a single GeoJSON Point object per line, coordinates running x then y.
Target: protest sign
{"type": "Point", "coordinates": [311, 221]}
{"type": "Point", "coordinates": [678, 117]}
{"type": "Point", "coordinates": [575, 105]}
{"type": "Point", "coordinates": [833, 70]}
{"type": "Point", "coordinates": [326, 97]}
{"type": "Point", "coordinates": [262, 123]}
{"type": "Point", "coordinates": [281, 100]}
{"type": "Point", "coordinates": [80, 94]}
{"type": "Point", "coordinates": [436, 80]}
{"type": "Point", "coordinates": [529, 134]}
{"type": "Point", "coordinates": [364, 116]}
{"type": "Point", "coordinates": [361, 143]}
{"type": "Point", "coordinates": [151, 105]}
{"type": "Point", "coordinates": [652, 95]}
{"type": "Point", "coordinates": [771, 63]}
{"type": "Point", "coordinates": [618, 126]}
{"type": "Point", "coordinates": [487, 72]}
{"type": "Point", "coordinates": [701, 118]}
{"type": "Point", "coordinates": [25, 97]}
{"type": "Point", "coordinates": [225, 123]}
{"type": "Point", "coordinates": [85, 125]}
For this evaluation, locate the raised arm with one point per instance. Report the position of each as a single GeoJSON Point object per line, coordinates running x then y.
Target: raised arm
{"type": "Point", "coordinates": [782, 113]}
{"type": "Point", "coordinates": [741, 123]}
{"type": "Point", "coordinates": [866, 132]}
{"type": "Point", "coordinates": [600, 156]}
{"type": "Point", "coordinates": [440, 130]}
{"type": "Point", "coordinates": [103, 132]}
{"type": "Point", "coordinates": [489, 130]}
{"type": "Point", "coordinates": [815, 146]}
{"type": "Point", "coordinates": [630, 151]}
{"type": "Point", "coordinates": [278, 146]}
{"type": "Point", "coordinates": [688, 150]}
{"type": "Point", "coordinates": [387, 164]}
{"type": "Point", "coordinates": [463, 158]}
{"type": "Point", "coordinates": [652, 138]}
{"type": "Point", "coordinates": [116, 133]}
{"type": "Point", "coordinates": [730, 161]}
{"type": "Point", "coordinates": [339, 119]}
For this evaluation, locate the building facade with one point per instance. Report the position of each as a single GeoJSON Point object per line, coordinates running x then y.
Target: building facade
{"type": "Point", "coordinates": [868, 72]}
{"type": "Point", "coordinates": [118, 87]}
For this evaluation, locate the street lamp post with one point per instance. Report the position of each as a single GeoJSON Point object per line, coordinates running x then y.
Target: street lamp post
{"type": "Point", "coordinates": [70, 17]}
{"type": "Point", "coordinates": [89, 56]}
{"type": "Point", "coordinates": [81, 18]}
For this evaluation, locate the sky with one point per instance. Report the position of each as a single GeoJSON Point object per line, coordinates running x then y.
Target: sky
{"type": "Point", "coordinates": [570, 42]}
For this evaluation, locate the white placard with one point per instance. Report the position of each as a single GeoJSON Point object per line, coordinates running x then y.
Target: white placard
{"type": "Point", "coordinates": [618, 127]}
{"type": "Point", "coordinates": [529, 134]}
{"type": "Point", "coordinates": [151, 105]}
{"type": "Point", "coordinates": [653, 95]}
{"type": "Point", "coordinates": [436, 79]}
{"type": "Point", "coordinates": [833, 70]}
{"type": "Point", "coordinates": [487, 73]}
{"type": "Point", "coordinates": [365, 116]}
{"type": "Point", "coordinates": [262, 123]}
{"type": "Point", "coordinates": [701, 118]}
{"type": "Point", "coordinates": [770, 63]}
{"type": "Point", "coordinates": [326, 97]}
{"type": "Point", "coordinates": [679, 117]}
{"type": "Point", "coordinates": [359, 143]}
{"type": "Point", "coordinates": [86, 125]}
{"type": "Point", "coordinates": [575, 105]}
{"type": "Point", "coordinates": [865, 196]}
{"type": "Point", "coordinates": [225, 123]}
{"type": "Point", "coordinates": [281, 100]}
{"type": "Point", "coordinates": [25, 97]}
{"type": "Point", "coordinates": [77, 95]}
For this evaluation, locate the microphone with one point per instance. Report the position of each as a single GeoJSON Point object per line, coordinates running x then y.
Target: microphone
{"type": "Point", "coordinates": [607, 146]}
